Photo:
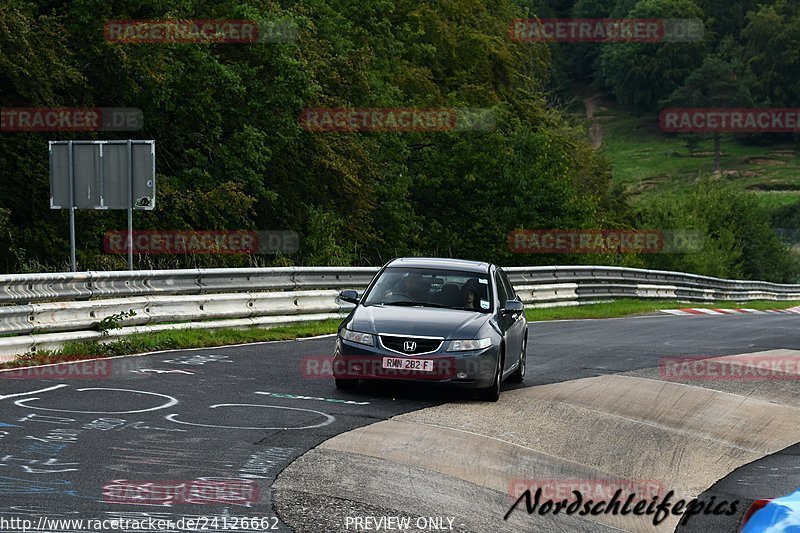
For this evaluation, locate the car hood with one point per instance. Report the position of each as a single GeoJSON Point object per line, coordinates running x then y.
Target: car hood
{"type": "Point", "coordinates": [421, 321]}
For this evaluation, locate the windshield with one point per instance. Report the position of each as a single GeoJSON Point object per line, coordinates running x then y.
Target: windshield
{"type": "Point", "coordinates": [449, 289]}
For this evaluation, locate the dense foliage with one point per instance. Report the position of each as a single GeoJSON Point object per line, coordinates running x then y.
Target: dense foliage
{"type": "Point", "coordinates": [231, 153]}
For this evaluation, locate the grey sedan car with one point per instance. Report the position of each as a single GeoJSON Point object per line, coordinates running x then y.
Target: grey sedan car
{"type": "Point", "coordinates": [445, 321]}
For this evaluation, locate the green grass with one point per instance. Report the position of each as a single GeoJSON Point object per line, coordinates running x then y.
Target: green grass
{"type": "Point", "coordinates": [648, 162]}
{"type": "Point", "coordinates": [628, 307]}
{"type": "Point", "coordinates": [774, 199]}
{"type": "Point", "coordinates": [172, 340]}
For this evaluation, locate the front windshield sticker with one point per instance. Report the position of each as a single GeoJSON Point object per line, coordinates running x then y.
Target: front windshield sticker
{"type": "Point", "coordinates": [484, 304]}
{"type": "Point", "coordinates": [484, 281]}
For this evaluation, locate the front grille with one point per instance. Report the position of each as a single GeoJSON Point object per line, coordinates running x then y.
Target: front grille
{"type": "Point", "coordinates": [421, 345]}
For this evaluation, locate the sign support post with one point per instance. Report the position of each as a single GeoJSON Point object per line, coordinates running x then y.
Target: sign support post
{"type": "Point", "coordinates": [130, 205]}
{"type": "Point", "coordinates": [71, 210]}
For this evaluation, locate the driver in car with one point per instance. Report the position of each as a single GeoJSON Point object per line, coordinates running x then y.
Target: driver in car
{"type": "Point", "coordinates": [413, 286]}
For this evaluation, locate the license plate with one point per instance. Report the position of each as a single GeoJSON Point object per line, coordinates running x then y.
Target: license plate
{"type": "Point", "coordinates": [398, 363]}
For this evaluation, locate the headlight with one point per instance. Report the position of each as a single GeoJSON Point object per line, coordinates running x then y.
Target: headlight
{"type": "Point", "coordinates": [360, 338]}
{"type": "Point", "coordinates": [475, 344]}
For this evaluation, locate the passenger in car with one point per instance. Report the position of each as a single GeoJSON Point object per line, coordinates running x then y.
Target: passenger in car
{"type": "Point", "coordinates": [469, 297]}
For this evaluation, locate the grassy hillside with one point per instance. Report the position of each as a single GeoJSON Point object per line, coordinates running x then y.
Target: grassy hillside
{"type": "Point", "coordinates": [648, 162]}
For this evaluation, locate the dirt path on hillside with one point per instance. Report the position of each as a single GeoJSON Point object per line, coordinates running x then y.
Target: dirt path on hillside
{"type": "Point", "coordinates": [595, 130]}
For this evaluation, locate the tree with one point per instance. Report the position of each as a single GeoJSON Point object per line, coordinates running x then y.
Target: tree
{"type": "Point", "coordinates": [230, 150]}
{"type": "Point", "coordinates": [641, 74]}
{"type": "Point", "coordinates": [727, 17]}
{"type": "Point", "coordinates": [772, 52]}
{"type": "Point", "coordinates": [722, 81]}
{"type": "Point", "coordinates": [738, 240]}
{"type": "Point", "coordinates": [583, 57]}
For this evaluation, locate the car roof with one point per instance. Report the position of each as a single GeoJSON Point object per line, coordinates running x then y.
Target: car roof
{"type": "Point", "coordinates": [441, 263]}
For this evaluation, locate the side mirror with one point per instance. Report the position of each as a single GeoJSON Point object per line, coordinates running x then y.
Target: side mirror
{"type": "Point", "coordinates": [513, 307]}
{"type": "Point", "coordinates": [349, 296]}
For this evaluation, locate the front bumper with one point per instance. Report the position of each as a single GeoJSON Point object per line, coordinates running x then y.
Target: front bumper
{"type": "Point", "coordinates": [468, 369]}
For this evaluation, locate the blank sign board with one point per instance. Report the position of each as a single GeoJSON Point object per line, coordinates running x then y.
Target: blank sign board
{"type": "Point", "coordinates": [102, 175]}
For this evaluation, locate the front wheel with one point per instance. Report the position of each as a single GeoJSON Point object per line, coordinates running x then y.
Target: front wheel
{"type": "Point", "coordinates": [492, 393]}
{"type": "Point", "coordinates": [519, 374]}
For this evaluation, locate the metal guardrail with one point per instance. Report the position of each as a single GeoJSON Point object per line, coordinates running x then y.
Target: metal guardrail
{"type": "Point", "coordinates": [46, 310]}
{"type": "Point", "coordinates": [29, 288]}
{"type": "Point", "coordinates": [574, 284]}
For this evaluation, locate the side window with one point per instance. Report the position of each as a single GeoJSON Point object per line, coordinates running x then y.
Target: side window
{"type": "Point", "coordinates": [509, 287]}
{"type": "Point", "coordinates": [502, 293]}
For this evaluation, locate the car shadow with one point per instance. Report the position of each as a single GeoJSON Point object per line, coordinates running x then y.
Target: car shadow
{"type": "Point", "coordinates": [416, 391]}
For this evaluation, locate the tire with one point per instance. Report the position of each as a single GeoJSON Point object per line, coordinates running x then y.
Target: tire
{"type": "Point", "coordinates": [346, 384]}
{"type": "Point", "coordinates": [492, 393]}
{"type": "Point", "coordinates": [519, 374]}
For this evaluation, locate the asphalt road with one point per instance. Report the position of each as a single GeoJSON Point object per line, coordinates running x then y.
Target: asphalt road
{"type": "Point", "coordinates": [201, 434]}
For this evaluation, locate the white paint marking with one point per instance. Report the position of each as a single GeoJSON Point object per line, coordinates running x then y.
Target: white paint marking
{"type": "Point", "coordinates": [157, 371]}
{"type": "Point", "coordinates": [198, 360]}
{"type": "Point", "coordinates": [301, 397]}
{"type": "Point", "coordinates": [705, 311]}
{"type": "Point", "coordinates": [326, 336]}
{"type": "Point", "coordinates": [54, 387]}
{"type": "Point", "coordinates": [171, 401]}
{"type": "Point", "coordinates": [329, 418]}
